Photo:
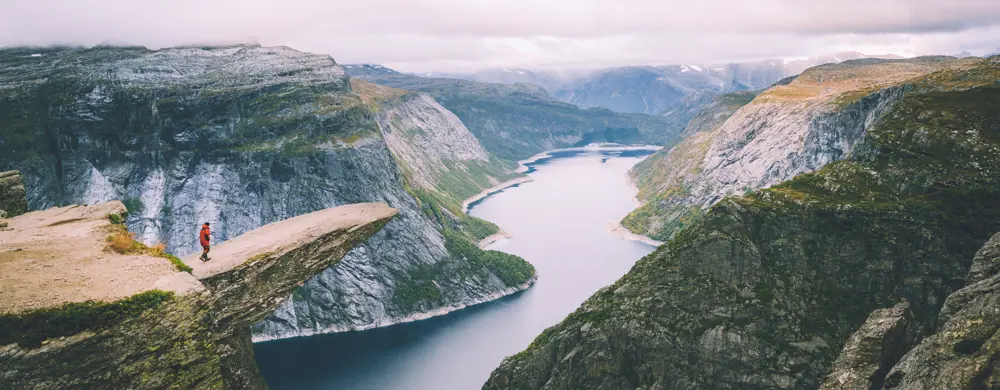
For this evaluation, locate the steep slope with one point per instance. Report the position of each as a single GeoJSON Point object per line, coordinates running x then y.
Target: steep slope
{"type": "Point", "coordinates": [170, 329]}
{"type": "Point", "coordinates": [964, 352]}
{"type": "Point", "coordinates": [765, 289]}
{"type": "Point", "coordinates": [239, 136]}
{"type": "Point", "coordinates": [662, 177]}
{"type": "Point", "coordinates": [518, 121]}
{"type": "Point", "coordinates": [794, 127]}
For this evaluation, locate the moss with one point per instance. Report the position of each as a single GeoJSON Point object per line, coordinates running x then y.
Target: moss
{"type": "Point", "coordinates": [134, 205]}
{"type": "Point", "coordinates": [29, 329]}
{"type": "Point", "coordinates": [258, 257]}
{"type": "Point", "coordinates": [177, 263]}
{"type": "Point", "coordinates": [117, 219]}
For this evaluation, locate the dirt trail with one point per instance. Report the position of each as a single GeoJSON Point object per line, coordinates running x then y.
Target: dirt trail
{"type": "Point", "coordinates": [55, 256]}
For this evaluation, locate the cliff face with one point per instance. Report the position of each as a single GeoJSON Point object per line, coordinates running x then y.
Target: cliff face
{"type": "Point", "coordinates": [963, 352]}
{"type": "Point", "coordinates": [791, 128]}
{"type": "Point", "coordinates": [176, 330]}
{"type": "Point", "coordinates": [12, 195]}
{"type": "Point", "coordinates": [240, 136]}
{"type": "Point", "coordinates": [766, 289]}
{"type": "Point", "coordinates": [518, 121]}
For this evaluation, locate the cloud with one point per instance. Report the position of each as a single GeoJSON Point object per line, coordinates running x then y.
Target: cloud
{"type": "Point", "coordinates": [459, 34]}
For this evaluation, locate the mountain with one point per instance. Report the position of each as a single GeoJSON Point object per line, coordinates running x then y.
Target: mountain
{"type": "Point", "coordinates": [551, 81]}
{"type": "Point", "coordinates": [655, 89]}
{"type": "Point", "coordinates": [515, 121]}
{"type": "Point", "coordinates": [766, 289]}
{"type": "Point", "coordinates": [244, 135]}
{"type": "Point", "coordinates": [794, 127]}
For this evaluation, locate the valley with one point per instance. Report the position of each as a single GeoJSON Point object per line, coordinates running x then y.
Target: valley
{"type": "Point", "coordinates": [818, 223]}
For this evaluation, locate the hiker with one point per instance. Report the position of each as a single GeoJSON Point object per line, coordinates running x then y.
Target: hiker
{"type": "Point", "coordinates": [206, 237]}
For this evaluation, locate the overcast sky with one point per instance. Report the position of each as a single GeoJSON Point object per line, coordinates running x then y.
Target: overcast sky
{"type": "Point", "coordinates": [424, 35]}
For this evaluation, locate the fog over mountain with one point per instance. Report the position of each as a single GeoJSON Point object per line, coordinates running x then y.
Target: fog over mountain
{"type": "Point", "coordinates": [414, 36]}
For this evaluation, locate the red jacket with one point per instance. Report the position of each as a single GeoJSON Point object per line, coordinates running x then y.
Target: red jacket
{"type": "Point", "coordinates": [205, 235]}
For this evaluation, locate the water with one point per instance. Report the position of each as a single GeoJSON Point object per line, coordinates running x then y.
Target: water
{"type": "Point", "coordinates": [559, 222]}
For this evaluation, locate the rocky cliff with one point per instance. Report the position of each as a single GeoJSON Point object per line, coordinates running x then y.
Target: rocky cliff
{"type": "Point", "coordinates": [89, 313]}
{"type": "Point", "coordinates": [794, 127]}
{"type": "Point", "coordinates": [518, 121]}
{"type": "Point", "coordinates": [962, 352]}
{"type": "Point", "coordinates": [242, 136]}
{"type": "Point", "coordinates": [12, 195]}
{"type": "Point", "coordinates": [765, 290]}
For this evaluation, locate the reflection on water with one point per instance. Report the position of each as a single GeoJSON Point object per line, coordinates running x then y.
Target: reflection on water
{"type": "Point", "coordinates": [559, 222]}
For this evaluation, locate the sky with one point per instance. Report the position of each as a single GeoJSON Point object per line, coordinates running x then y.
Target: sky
{"type": "Point", "coordinates": [466, 35]}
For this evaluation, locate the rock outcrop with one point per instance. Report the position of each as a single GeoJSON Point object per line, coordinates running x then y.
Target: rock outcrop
{"type": "Point", "coordinates": [791, 128]}
{"type": "Point", "coordinates": [766, 289]}
{"type": "Point", "coordinates": [242, 136]}
{"type": "Point", "coordinates": [180, 330]}
{"type": "Point", "coordinates": [873, 350]}
{"type": "Point", "coordinates": [12, 196]}
{"type": "Point", "coordinates": [964, 352]}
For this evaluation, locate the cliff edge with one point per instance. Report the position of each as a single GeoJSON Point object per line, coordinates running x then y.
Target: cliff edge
{"type": "Point", "coordinates": [90, 309]}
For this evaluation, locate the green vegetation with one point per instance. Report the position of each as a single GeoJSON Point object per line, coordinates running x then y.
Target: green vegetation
{"type": "Point", "coordinates": [134, 205]}
{"type": "Point", "coordinates": [512, 270]}
{"type": "Point", "coordinates": [450, 216]}
{"type": "Point", "coordinates": [117, 219]}
{"type": "Point", "coordinates": [416, 286]}
{"type": "Point", "coordinates": [29, 329]}
{"type": "Point", "coordinates": [788, 273]}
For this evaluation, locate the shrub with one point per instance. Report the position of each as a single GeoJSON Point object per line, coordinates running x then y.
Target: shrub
{"type": "Point", "coordinates": [123, 241]}
{"type": "Point", "coordinates": [134, 205]}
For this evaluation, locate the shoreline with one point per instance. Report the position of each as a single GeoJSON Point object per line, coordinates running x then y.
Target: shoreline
{"type": "Point", "coordinates": [492, 238]}
{"type": "Point", "coordinates": [623, 232]}
{"type": "Point", "coordinates": [410, 318]}
{"type": "Point", "coordinates": [522, 165]}
{"type": "Point", "coordinates": [493, 190]}
{"type": "Point", "coordinates": [614, 228]}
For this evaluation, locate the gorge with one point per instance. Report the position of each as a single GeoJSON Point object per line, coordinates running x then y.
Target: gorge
{"type": "Point", "coordinates": [831, 230]}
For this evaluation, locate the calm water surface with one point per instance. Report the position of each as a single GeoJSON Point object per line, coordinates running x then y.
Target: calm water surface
{"type": "Point", "coordinates": [559, 222]}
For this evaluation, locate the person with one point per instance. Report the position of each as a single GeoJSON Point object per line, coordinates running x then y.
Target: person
{"type": "Point", "coordinates": [205, 237]}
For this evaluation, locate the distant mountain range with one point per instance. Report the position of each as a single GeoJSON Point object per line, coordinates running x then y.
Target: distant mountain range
{"type": "Point", "coordinates": [652, 89]}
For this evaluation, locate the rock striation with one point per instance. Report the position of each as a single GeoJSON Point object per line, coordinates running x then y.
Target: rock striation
{"type": "Point", "coordinates": [242, 136]}
{"type": "Point", "coordinates": [794, 127]}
